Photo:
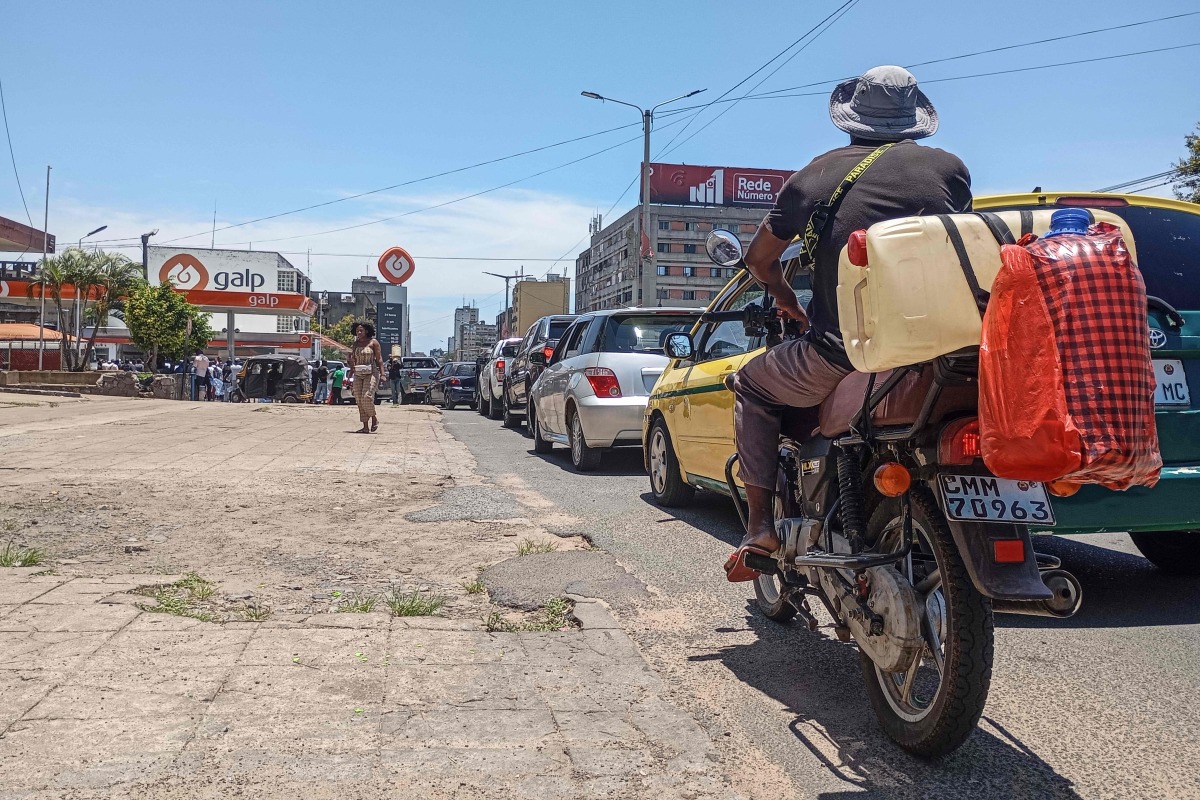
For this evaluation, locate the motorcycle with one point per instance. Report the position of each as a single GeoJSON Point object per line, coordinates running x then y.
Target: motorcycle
{"type": "Point", "coordinates": [888, 518]}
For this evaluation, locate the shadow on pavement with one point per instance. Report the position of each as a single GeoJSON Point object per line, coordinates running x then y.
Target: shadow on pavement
{"type": "Point", "coordinates": [1120, 590]}
{"type": "Point", "coordinates": [621, 461]}
{"type": "Point", "coordinates": [819, 679]}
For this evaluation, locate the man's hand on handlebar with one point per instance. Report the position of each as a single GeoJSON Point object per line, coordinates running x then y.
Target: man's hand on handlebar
{"type": "Point", "coordinates": [785, 300]}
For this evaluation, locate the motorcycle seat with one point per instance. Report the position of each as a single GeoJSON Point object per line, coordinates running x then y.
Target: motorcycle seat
{"type": "Point", "coordinates": [901, 406]}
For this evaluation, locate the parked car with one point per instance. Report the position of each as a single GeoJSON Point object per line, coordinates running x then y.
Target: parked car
{"type": "Point", "coordinates": [420, 370]}
{"type": "Point", "coordinates": [542, 337]}
{"type": "Point", "coordinates": [452, 384]}
{"type": "Point", "coordinates": [688, 427]}
{"type": "Point", "coordinates": [491, 377]}
{"type": "Point", "coordinates": [592, 394]}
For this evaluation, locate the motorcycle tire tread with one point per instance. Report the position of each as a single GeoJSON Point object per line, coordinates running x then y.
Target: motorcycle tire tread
{"type": "Point", "coordinates": [970, 647]}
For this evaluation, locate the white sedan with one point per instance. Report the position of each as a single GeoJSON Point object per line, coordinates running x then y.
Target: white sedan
{"type": "Point", "coordinates": [592, 394]}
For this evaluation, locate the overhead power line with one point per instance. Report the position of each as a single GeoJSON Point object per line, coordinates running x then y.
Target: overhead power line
{"type": "Point", "coordinates": [1004, 48]}
{"type": "Point", "coordinates": [411, 182]}
{"type": "Point", "coordinates": [828, 22]}
{"type": "Point", "coordinates": [11, 155]}
{"type": "Point", "coordinates": [1127, 184]}
{"type": "Point", "coordinates": [766, 64]}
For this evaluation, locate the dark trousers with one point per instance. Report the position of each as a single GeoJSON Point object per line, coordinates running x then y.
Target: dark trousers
{"type": "Point", "coordinates": [337, 395]}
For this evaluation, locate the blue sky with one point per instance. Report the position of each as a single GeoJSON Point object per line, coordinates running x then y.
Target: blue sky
{"type": "Point", "coordinates": [151, 112]}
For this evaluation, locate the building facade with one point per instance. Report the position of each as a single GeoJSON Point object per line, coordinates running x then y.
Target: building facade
{"type": "Point", "coordinates": [534, 299]}
{"type": "Point", "coordinates": [609, 273]}
{"type": "Point", "coordinates": [474, 339]}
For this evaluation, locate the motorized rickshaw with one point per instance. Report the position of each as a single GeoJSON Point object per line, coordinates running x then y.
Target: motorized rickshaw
{"type": "Point", "coordinates": [283, 379]}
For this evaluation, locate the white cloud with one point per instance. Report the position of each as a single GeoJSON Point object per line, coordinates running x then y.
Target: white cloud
{"type": "Point", "coordinates": [507, 224]}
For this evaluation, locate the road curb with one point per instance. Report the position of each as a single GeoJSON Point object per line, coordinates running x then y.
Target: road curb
{"type": "Point", "coordinates": [593, 614]}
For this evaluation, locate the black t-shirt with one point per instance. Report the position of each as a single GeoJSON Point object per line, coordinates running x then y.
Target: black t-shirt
{"type": "Point", "coordinates": [394, 370]}
{"type": "Point", "coordinates": [908, 180]}
{"type": "Point", "coordinates": [321, 374]}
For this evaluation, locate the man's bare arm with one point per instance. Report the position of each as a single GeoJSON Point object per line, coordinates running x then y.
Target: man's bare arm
{"type": "Point", "coordinates": [762, 259]}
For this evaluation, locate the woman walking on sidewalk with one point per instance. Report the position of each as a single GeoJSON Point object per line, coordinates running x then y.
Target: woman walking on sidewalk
{"type": "Point", "coordinates": [367, 360]}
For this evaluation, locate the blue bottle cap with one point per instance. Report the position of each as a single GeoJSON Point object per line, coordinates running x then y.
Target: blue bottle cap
{"type": "Point", "coordinates": [1069, 221]}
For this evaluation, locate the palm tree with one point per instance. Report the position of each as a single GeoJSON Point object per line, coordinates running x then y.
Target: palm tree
{"type": "Point", "coordinates": [98, 277]}
{"type": "Point", "coordinates": [117, 277]}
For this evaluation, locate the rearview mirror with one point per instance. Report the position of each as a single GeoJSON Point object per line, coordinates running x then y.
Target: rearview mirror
{"type": "Point", "coordinates": [724, 248]}
{"type": "Point", "coordinates": [538, 357]}
{"type": "Point", "coordinates": [679, 345]}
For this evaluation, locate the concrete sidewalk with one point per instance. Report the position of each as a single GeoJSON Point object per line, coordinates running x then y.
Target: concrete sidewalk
{"type": "Point", "coordinates": [100, 698]}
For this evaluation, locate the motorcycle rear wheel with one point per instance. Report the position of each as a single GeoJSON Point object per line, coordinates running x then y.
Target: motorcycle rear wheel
{"type": "Point", "coordinates": [934, 711]}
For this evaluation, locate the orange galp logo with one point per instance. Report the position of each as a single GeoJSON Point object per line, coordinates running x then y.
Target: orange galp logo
{"type": "Point", "coordinates": [185, 271]}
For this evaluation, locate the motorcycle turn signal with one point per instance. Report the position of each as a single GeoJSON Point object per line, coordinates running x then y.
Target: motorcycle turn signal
{"type": "Point", "coordinates": [892, 479]}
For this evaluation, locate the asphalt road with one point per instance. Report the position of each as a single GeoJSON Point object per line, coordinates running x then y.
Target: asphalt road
{"type": "Point", "coordinates": [1103, 705]}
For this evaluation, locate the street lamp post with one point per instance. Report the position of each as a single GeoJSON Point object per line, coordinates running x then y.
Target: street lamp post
{"type": "Point", "coordinates": [89, 235]}
{"type": "Point", "coordinates": [146, 253]}
{"type": "Point", "coordinates": [506, 278]}
{"type": "Point", "coordinates": [644, 224]}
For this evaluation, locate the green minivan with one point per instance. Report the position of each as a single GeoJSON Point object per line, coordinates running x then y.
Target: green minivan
{"type": "Point", "coordinates": [1164, 522]}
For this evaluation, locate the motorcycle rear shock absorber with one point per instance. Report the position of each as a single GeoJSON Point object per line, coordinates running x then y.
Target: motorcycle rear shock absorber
{"type": "Point", "coordinates": [853, 502]}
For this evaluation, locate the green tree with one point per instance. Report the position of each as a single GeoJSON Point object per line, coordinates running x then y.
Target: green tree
{"type": "Point", "coordinates": [340, 331]}
{"type": "Point", "coordinates": [1187, 186]}
{"type": "Point", "coordinates": [158, 318]}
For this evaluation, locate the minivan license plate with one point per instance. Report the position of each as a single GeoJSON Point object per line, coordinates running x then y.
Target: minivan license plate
{"type": "Point", "coordinates": [982, 498]}
{"type": "Point", "coordinates": [1171, 390]}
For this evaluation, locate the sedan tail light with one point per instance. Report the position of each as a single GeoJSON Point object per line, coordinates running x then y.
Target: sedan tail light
{"type": "Point", "coordinates": [604, 381]}
{"type": "Point", "coordinates": [960, 442]}
{"type": "Point", "coordinates": [455, 382]}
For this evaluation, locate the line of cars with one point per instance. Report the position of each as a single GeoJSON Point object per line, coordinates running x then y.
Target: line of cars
{"type": "Point", "coordinates": [604, 379]}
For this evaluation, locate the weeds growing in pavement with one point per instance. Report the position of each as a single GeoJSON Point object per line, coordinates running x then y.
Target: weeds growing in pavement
{"type": "Point", "coordinates": [358, 605]}
{"type": "Point", "coordinates": [554, 616]}
{"type": "Point", "coordinates": [179, 598]}
{"type": "Point", "coordinates": [475, 587]}
{"type": "Point", "coordinates": [12, 556]}
{"type": "Point", "coordinates": [529, 547]}
{"type": "Point", "coordinates": [413, 605]}
{"type": "Point", "coordinates": [255, 613]}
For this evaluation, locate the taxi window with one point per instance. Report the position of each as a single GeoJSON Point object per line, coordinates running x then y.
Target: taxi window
{"type": "Point", "coordinates": [725, 339]}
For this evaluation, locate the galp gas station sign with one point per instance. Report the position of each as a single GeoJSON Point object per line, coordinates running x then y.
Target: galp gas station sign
{"type": "Point", "coordinates": [396, 265]}
{"type": "Point", "coordinates": [243, 281]}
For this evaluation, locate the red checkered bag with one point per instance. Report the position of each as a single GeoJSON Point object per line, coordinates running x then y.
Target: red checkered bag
{"type": "Point", "coordinates": [1066, 384]}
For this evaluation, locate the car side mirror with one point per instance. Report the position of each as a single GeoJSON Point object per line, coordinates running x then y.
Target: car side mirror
{"type": "Point", "coordinates": [538, 357]}
{"type": "Point", "coordinates": [679, 345]}
{"type": "Point", "coordinates": [724, 248]}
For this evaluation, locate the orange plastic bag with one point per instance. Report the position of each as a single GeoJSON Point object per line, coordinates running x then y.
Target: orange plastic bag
{"type": "Point", "coordinates": [1066, 384]}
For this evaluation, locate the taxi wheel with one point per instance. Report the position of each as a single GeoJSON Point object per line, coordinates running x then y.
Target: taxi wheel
{"type": "Point", "coordinates": [666, 482]}
{"type": "Point", "coordinates": [1173, 552]}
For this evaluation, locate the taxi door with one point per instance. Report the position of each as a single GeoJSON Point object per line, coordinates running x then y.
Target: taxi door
{"type": "Point", "coordinates": [702, 409]}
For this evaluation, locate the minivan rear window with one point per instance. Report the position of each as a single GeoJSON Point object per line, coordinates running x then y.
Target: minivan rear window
{"type": "Point", "coordinates": [642, 334]}
{"type": "Point", "coordinates": [558, 327]}
{"type": "Point", "coordinates": [1168, 248]}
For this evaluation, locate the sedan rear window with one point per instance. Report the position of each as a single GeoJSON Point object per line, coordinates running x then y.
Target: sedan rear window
{"type": "Point", "coordinates": [642, 334]}
{"type": "Point", "coordinates": [1168, 248]}
{"type": "Point", "coordinates": [464, 369]}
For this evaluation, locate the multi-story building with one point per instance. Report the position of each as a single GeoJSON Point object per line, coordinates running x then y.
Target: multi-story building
{"type": "Point", "coordinates": [473, 339]}
{"type": "Point", "coordinates": [691, 201]}
{"type": "Point", "coordinates": [534, 299]}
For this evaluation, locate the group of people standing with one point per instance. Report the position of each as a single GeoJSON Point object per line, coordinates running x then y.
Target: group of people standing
{"type": "Point", "coordinates": [212, 379]}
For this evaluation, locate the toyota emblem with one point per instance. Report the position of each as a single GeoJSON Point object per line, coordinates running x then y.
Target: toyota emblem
{"type": "Point", "coordinates": [1157, 339]}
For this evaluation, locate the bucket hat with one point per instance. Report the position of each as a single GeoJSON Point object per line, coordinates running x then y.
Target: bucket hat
{"type": "Point", "coordinates": [883, 105]}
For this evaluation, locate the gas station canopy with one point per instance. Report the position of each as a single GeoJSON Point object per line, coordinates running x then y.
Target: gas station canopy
{"type": "Point", "coordinates": [15, 237]}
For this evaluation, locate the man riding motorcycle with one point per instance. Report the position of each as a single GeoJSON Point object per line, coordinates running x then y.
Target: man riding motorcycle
{"type": "Point", "coordinates": [837, 193]}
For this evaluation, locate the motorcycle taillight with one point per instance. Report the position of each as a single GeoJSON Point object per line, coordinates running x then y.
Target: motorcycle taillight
{"type": "Point", "coordinates": [604, 381]}
{"type": "Point", "coordinates": [960, 442]}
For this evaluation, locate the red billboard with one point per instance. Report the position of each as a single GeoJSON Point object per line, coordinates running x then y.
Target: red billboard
{"type": "Point", "coordinates": [687, 185]}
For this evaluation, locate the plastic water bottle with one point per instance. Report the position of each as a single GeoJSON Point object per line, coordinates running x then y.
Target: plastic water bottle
{"type": "Point", "coordinates": [1069, 221]}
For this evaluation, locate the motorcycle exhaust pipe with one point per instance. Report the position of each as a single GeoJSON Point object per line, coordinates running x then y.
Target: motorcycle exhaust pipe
{"type": "Point", "coordinates": [1068, 597]}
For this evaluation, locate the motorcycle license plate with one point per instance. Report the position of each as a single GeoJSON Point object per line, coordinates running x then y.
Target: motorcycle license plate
{"type": "Point", "coordinates": [982, 498]}
{"type": "Point", "coordinates": [1172, 387]}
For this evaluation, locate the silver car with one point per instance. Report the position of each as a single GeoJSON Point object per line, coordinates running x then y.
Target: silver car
{"type": "Point", "coordinates": [491, 378]}
{"type": "Point", "coordinates": [592, 394]}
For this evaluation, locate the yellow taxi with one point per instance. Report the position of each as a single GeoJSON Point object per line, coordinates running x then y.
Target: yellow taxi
{"type": "Point", "coordinates": [688, 426]}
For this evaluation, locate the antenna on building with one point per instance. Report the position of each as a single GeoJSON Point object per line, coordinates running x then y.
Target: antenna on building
{"type": "Point", "coordinates": [213, 244]}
